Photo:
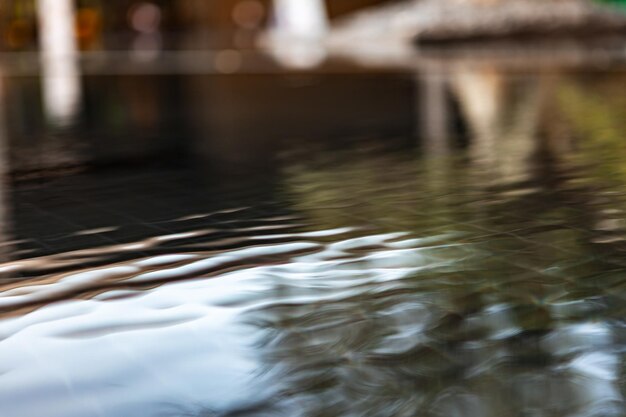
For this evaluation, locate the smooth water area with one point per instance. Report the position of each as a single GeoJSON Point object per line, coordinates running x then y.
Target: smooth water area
{"type": "Point", "coordinates": [474, 266]}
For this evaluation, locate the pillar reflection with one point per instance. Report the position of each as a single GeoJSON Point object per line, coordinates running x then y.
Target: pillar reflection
{"type": "Point", "coordinates": [5, 249]}
{"type": "Point", "coordinates": [433, 112]}
{"type": "Point", "coordinates": [503, 116]}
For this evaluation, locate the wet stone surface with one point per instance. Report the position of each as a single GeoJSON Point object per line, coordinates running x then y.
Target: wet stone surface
{"type": "Point", "coordinates": [486, 279]}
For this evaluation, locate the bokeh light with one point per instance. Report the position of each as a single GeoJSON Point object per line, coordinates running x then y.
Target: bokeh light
{"type": "Point", "coordinates": [249, 14]}
{"type": "Point", "coordinates": [145, 17]}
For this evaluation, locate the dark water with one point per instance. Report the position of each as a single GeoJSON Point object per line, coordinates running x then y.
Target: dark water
{"type": "Point", "coordinates": [407, 245]}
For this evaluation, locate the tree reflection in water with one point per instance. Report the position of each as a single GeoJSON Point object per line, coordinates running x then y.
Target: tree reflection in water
{"type": "Point", "coordinates": [490, 305]}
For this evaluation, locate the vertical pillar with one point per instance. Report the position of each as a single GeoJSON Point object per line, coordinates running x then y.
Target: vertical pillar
{"type": "Point", "coordinates": [433, 112]}
{"type": "Point", "coordinates": [59, 53]}
{"type": "Point", "coordinates": [302, 19]}
{"type": "Point", "coordinates": [299, 26]}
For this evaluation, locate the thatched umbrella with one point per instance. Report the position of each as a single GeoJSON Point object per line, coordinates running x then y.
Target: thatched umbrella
{"type": "Point", "coordinates": [440, 21]}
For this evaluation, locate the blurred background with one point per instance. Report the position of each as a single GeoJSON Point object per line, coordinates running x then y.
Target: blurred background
{"type": "Point", "coordinates": [94, 82]}
{"type": "Point", "coordinates": [86, 83]}
{"type": "Point", "coordinates": [181, 24]}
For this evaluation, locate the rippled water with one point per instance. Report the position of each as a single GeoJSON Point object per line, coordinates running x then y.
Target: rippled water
{"type": "Point", "coordinates": [481, 278]}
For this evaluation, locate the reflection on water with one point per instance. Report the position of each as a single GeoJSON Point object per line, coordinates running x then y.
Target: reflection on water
{"type": "Point", "coordinates": [478, 271]}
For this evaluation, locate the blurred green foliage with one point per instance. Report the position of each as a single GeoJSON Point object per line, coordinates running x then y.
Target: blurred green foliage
{"type": "Point", "coordinates": [597, 115]}
{"type": "Point", "coordinates": [619, 3]}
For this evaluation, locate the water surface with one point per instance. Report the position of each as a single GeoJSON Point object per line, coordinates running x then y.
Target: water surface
{"type": "Point", "coordinates": [461, 257]}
